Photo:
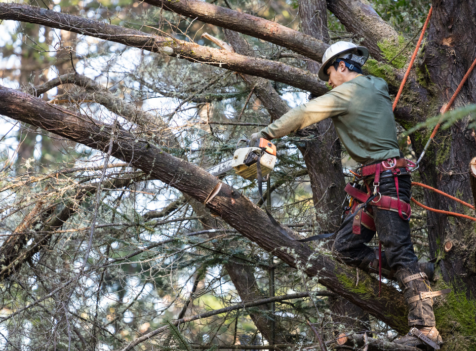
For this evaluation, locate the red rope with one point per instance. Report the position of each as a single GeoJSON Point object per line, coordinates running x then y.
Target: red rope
{"type": "Point", "coordinates": [412, 60]}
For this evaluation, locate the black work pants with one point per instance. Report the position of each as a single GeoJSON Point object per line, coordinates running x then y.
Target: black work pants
{"type": "Point", "coordinates": [394, 234]}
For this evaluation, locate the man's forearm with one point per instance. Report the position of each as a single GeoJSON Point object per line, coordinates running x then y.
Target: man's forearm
{"type": "Point", "coordinates": [290, 122]}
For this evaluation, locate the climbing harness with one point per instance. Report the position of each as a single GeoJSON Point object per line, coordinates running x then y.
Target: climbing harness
{"type": "Point", "coordinates": [363, 215]}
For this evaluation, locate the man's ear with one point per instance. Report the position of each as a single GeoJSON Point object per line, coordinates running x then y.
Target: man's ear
{"type": "Point", "coordinates": [342, 66]}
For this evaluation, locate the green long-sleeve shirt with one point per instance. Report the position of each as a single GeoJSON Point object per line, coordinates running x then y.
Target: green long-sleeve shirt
{"type": "Point", "coordinates": [361, 110]}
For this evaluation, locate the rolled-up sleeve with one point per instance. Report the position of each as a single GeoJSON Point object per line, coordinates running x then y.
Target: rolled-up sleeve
{"type": "Point", "coordinates": [332, 104]}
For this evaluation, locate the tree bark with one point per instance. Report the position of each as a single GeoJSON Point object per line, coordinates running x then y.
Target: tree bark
{"type": "Point", "coordinates": [447, 56]}
{"type": "Point", "coordinates": [359, 340]}
{"type": "Point", "coordinates": [323, 156]}
{"type": "Point", "coordinates": [234, 208]}
{"type": "Point", "coordinates": [360, 18]}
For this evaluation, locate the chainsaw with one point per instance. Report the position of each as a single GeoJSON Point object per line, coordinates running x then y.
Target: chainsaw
{"type": "Point", "coordinates": [245, 160]}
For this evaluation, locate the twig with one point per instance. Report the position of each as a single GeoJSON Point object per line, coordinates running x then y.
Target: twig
{"type": "Point", "coordinates": [72, 65]}
{"type": "Point", "coordinates": [409, 42]}
{"type": "Point", "coordinates": [319, 339]}
{"type": "Point", "coordinates": [366, 341]}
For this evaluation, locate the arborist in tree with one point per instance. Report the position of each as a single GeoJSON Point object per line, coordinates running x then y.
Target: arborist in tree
{"type": "Point", "coordinates": [361, 110]}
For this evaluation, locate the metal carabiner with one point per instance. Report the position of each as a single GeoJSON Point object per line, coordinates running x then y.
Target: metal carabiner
{"type": "Point", "coordinates": [389, 163]}
{"type": "Point", "coordinates": [412, 166]}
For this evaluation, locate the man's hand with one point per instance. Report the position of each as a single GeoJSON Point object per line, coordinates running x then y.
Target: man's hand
{"type": "Point", "coordinates": [255, 137]}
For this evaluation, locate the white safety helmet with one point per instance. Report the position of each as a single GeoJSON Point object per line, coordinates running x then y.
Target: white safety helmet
{"type": "Point", "coordinates": [344, 50]}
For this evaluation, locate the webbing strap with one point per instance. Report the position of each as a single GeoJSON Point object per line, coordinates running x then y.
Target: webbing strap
{"type": "Point", "coordinates": [420, 275]}
{"type": "Point", "coordinates": [427, 295]}
{"type": "Point", "coordinates": [383, 202]}
{"type": "Point", "coordinates": [415, 332]}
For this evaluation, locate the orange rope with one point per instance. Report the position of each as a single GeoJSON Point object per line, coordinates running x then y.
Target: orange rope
{"type": "Point", "coordinates": [443, 212]}
{"type": "Point", "coordinates": [448, 105]}
{"type": "Point", "coordinates": [356, 174]}
{"type": "Point", "coordinates": [412, 60]}
{"type": "Point", "coordinates": [444, 194]}
{"type": "Point", "coordinates": [460, 86]}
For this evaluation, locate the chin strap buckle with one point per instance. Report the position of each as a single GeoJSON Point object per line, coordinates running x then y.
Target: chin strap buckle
{"type": "Point", "coordinates": [415, 332]}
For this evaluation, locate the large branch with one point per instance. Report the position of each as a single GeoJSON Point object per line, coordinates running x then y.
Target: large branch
{"type": "Point", "coordinates": [229, 204]}
{"type": "Point", "coordinates": [273, 70]}
{"type": "Point", "coordinates": [247, 24]}
{"type": "Point", "coordinates": [360, 18]}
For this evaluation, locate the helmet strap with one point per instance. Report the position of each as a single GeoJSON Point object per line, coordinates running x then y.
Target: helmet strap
{"type": "Point", "coordinates": [351, 65]}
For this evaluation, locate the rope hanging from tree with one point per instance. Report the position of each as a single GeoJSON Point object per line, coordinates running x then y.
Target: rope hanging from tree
{"type": "Point", "coordinates": [435, 130]}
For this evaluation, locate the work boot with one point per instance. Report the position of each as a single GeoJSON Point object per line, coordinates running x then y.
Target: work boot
{"type": "Point", "coordinates": [427, 337]}
{"type": "Point", "coordinates": [371, 266]}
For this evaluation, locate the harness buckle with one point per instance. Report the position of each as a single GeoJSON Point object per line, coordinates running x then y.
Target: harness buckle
{"type": "Point", "coordinates": [376, 185]}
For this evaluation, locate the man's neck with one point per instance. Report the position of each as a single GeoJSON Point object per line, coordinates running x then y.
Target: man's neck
{"type": "Point", "coordinates": [351, 76]}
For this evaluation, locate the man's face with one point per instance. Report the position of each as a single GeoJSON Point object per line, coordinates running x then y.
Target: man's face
{"type": "Point", "coordinates": [337, 77]}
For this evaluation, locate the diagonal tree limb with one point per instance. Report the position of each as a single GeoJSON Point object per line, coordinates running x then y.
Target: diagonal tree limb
{"type": "Point", "coordinates": [247, 24]}
{"type": "Point", "coordinates": [245, 287]}
{"type": "Point", "coordinates": [277, 71]}
{"type": "Point", "coordinates": [234, 208]}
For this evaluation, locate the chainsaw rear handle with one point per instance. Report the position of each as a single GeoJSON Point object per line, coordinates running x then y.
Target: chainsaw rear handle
{"type": "Point", "coordinates": [262, 143]}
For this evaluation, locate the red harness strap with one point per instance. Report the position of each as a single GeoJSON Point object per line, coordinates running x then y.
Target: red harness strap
{"type": "Point", "coordinates": [383, 202]}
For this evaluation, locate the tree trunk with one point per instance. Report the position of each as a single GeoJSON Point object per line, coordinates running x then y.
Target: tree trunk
{"type": "Point", "coordinates": [323, 162]}
{"type": "Point", "coordinates": [448, 54]}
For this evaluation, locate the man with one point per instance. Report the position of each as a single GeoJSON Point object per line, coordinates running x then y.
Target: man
{"type": "Point", "coordinates": [361, 110]}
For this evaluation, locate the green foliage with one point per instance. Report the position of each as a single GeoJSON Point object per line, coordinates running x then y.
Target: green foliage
{"type": "Point", "coordinates": [455, 320]}
{"type": "Point", "coordinates": [448, 119]}
{"type": "Point", "coordinates": [363, 288]}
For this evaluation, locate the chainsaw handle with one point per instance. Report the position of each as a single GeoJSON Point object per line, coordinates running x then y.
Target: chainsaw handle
{"type": "Point", "coordinates": [262, 143]}
{"type": "Point", "coordinates": [245, 140]}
